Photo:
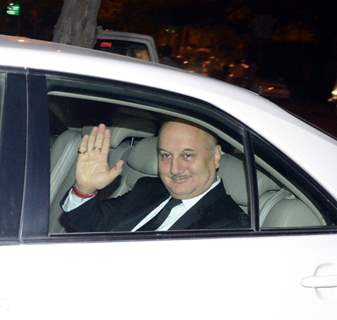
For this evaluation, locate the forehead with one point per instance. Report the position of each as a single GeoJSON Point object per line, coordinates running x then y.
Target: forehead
{"type": "Point", "coordinates": [183, 136]}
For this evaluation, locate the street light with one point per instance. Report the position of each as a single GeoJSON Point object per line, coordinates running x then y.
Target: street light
{"type": "Point", "coordinates": [13, 9]}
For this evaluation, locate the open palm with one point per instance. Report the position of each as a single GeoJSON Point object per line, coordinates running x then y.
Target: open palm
{"type": "Point", "coordinates": [92, 169]}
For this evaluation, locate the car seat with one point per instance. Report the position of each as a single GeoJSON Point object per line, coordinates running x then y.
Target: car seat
{"type": "Point", "coordinates": [278, 207]}
{"type": "Point", "coordinates": [232, 173]}
{"type": "Point", "coordinates": [142, 161]}
{"type": "Point", "coordinates": [291, 212]}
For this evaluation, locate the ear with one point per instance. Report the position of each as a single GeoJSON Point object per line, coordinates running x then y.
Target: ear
{"type": "Point", "coordinates": [217, 156]}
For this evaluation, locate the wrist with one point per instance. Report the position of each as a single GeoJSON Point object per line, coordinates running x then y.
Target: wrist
{"type": "Point", "coordinates": [83, 195]}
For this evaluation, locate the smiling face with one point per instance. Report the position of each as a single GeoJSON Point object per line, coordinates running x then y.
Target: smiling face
{"type": "Point", "coordinates": [188, 159]}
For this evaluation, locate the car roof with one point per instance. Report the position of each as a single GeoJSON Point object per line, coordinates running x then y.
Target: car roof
{"type": "Point", "coordinates": [138, 38]}
{"type": "Point", "coordinates": [310, 148]}
{"type": "Point", "coordinates": [107, 34]}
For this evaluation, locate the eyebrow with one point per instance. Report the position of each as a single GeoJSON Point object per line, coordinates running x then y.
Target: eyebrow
{"type": "Point", "coordinates": [187, 149]}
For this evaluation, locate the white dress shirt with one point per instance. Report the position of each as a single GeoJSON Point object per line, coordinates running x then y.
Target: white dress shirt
{"type": "Point", "coordinates": [73, 201]}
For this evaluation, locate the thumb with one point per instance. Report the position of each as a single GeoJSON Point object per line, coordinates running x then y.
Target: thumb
{"type": "Point", "coordinates": [116, 170]}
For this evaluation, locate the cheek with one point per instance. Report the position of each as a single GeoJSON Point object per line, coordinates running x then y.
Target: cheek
{"type": "Point", "coordinates": [203, 170]}
{"type": "Point", "coordinates": [163, 167]}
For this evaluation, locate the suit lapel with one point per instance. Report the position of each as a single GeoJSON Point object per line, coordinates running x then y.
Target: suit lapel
{"type": "Point", "coordinates": [145, 206]}
{"type": "Point", "coordinates": [140, 214]}
{"type": "Point", "coordinates": [200, 215]}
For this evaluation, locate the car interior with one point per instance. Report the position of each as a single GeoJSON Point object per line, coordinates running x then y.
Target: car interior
{"type": "Point", "coordinates": [134, 130]}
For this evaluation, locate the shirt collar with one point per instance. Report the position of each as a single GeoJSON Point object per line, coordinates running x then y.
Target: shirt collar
{"type": "Point", "coordinates": [188, 203]}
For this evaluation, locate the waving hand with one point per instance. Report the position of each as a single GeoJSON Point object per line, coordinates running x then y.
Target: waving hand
{"type": "Point", "coordinates": [92, 168]}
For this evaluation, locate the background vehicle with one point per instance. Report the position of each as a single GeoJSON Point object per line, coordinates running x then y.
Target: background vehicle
{"type": "Point", "coordinates": [129, 44]}
{"type": "Point", "coordinates": [280, 170]}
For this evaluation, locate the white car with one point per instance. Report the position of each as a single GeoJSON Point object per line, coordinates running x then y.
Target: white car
{"type": "Point", "coordinates": [281, 171]}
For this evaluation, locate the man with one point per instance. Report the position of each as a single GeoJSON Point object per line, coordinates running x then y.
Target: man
{"type": "Point", "coordinates": [188, 194]}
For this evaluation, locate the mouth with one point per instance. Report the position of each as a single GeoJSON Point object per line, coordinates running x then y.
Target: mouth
{"type": "Point", "coordinates": [179, 179]}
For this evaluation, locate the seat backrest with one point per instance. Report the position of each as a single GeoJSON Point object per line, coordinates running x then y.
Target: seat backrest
{"type": "Point", "coordinates": [291, 212]}
{"type": "Point", "coordinates": [141, 162]}
{"type": "Point", "coordinates": [232, 173]}
{"type": "Point", "coordinates": [62, 157]}
{"type": "Point", "coordinates": [278, 207]}
{"type": "Point", "coordinates": [123, 127]}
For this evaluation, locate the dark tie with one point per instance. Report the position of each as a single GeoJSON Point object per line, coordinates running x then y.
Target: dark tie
{"type": "Point", "coordinates": [158, 219]}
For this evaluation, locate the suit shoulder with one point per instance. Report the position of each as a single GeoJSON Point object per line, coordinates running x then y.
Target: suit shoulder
{"type": "Point", "coordinates": [147, 184]}
{"type": "Point", "coordinates": [148, 181]}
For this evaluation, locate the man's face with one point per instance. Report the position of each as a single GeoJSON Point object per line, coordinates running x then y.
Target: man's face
{"type": "Point", "coordinates": [188, 159]}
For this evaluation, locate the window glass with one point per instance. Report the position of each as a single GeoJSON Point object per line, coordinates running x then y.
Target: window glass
{"type": "Point", "coordinates": [125, 48]}
{"type": "Point", "coordinates": [287, 197]}
{"type": "Point", "coordinates": [206, 160]}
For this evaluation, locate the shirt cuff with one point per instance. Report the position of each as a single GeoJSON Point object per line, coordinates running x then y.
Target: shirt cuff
{"type": "Point", "coordinates": [73, 201]}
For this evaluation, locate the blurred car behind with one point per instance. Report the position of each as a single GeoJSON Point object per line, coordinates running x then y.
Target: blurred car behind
{"type": "Point", "coordinates": [128, 44]}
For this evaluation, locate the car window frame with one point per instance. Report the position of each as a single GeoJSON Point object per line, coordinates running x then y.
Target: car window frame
{"type": "Point", "coordinates": [13, 154]}
{"type": "Point", "coordinates": [36, 197]}
{"type": "Point", "coordinates": [183, 105]}
{"type": "Point", "coordinates": [310, 188]}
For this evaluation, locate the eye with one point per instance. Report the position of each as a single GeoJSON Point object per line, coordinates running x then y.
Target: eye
{"type": "Point", "coordinates": [164, 155]}
{"type": "Point", "coordinates": [188, 155]}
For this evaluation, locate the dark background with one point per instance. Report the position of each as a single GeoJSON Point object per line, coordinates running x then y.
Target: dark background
{"type": "Point", "coordinates": [292, 40]}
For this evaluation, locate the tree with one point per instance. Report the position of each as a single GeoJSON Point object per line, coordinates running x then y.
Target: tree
{"type": "Point", "coordinates": [77, 23]}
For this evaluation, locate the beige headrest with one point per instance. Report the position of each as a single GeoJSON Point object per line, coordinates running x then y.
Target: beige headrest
{"type": "Point", "coordinates": [126, 127]}
{"type": "Point", "coordinates": [144, 156]}
{"type": "Point", "coordinates": [233, 176]}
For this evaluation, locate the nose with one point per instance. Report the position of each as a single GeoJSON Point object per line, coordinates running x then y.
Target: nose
{"type": "Point", "coordinates": [176, 166]}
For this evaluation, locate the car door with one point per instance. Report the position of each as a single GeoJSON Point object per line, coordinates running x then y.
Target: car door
{"type": "Point", "coordinates": [256, 272]}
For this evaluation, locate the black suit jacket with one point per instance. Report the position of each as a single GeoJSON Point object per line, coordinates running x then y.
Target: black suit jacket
{"type": "Point", "coordinates": [215, 210]}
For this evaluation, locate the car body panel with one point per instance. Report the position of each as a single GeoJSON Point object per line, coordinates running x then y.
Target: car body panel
{"type": "Point", "coordinates": [252, 278]}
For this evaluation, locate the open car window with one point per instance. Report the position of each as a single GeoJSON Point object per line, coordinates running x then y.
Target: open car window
{"type": "Point", "coordinates": [75, 106]}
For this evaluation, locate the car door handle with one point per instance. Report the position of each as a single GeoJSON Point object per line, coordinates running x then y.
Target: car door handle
{"type": "Point", "coordinates": [325, 281]}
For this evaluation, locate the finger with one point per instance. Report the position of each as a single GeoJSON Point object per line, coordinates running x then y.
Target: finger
{"type": "Point", "coordinates": [92, 139]}
{"type": "Point", "coordinates": [83, 145]}
{"type": "Point", "coordinates": [100, 137]}
{"type": "Point", "coordinates": [106, 142]}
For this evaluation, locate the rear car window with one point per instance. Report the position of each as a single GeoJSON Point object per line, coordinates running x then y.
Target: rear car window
{"type": "Point", "coordinates": [125, 48]}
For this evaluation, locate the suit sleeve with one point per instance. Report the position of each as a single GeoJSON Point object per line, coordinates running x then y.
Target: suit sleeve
{"type": "Point", "coordinates": [102, 215]}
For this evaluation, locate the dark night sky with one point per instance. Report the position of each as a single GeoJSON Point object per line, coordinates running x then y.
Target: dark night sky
{"type": "Point", "coordinates": [318, 57]}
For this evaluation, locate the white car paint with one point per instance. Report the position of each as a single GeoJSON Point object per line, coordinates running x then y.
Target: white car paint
{"type": "Point", "coordinates": [229, 278]}
{"type": "Point", "coordinates": [220, 278]}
